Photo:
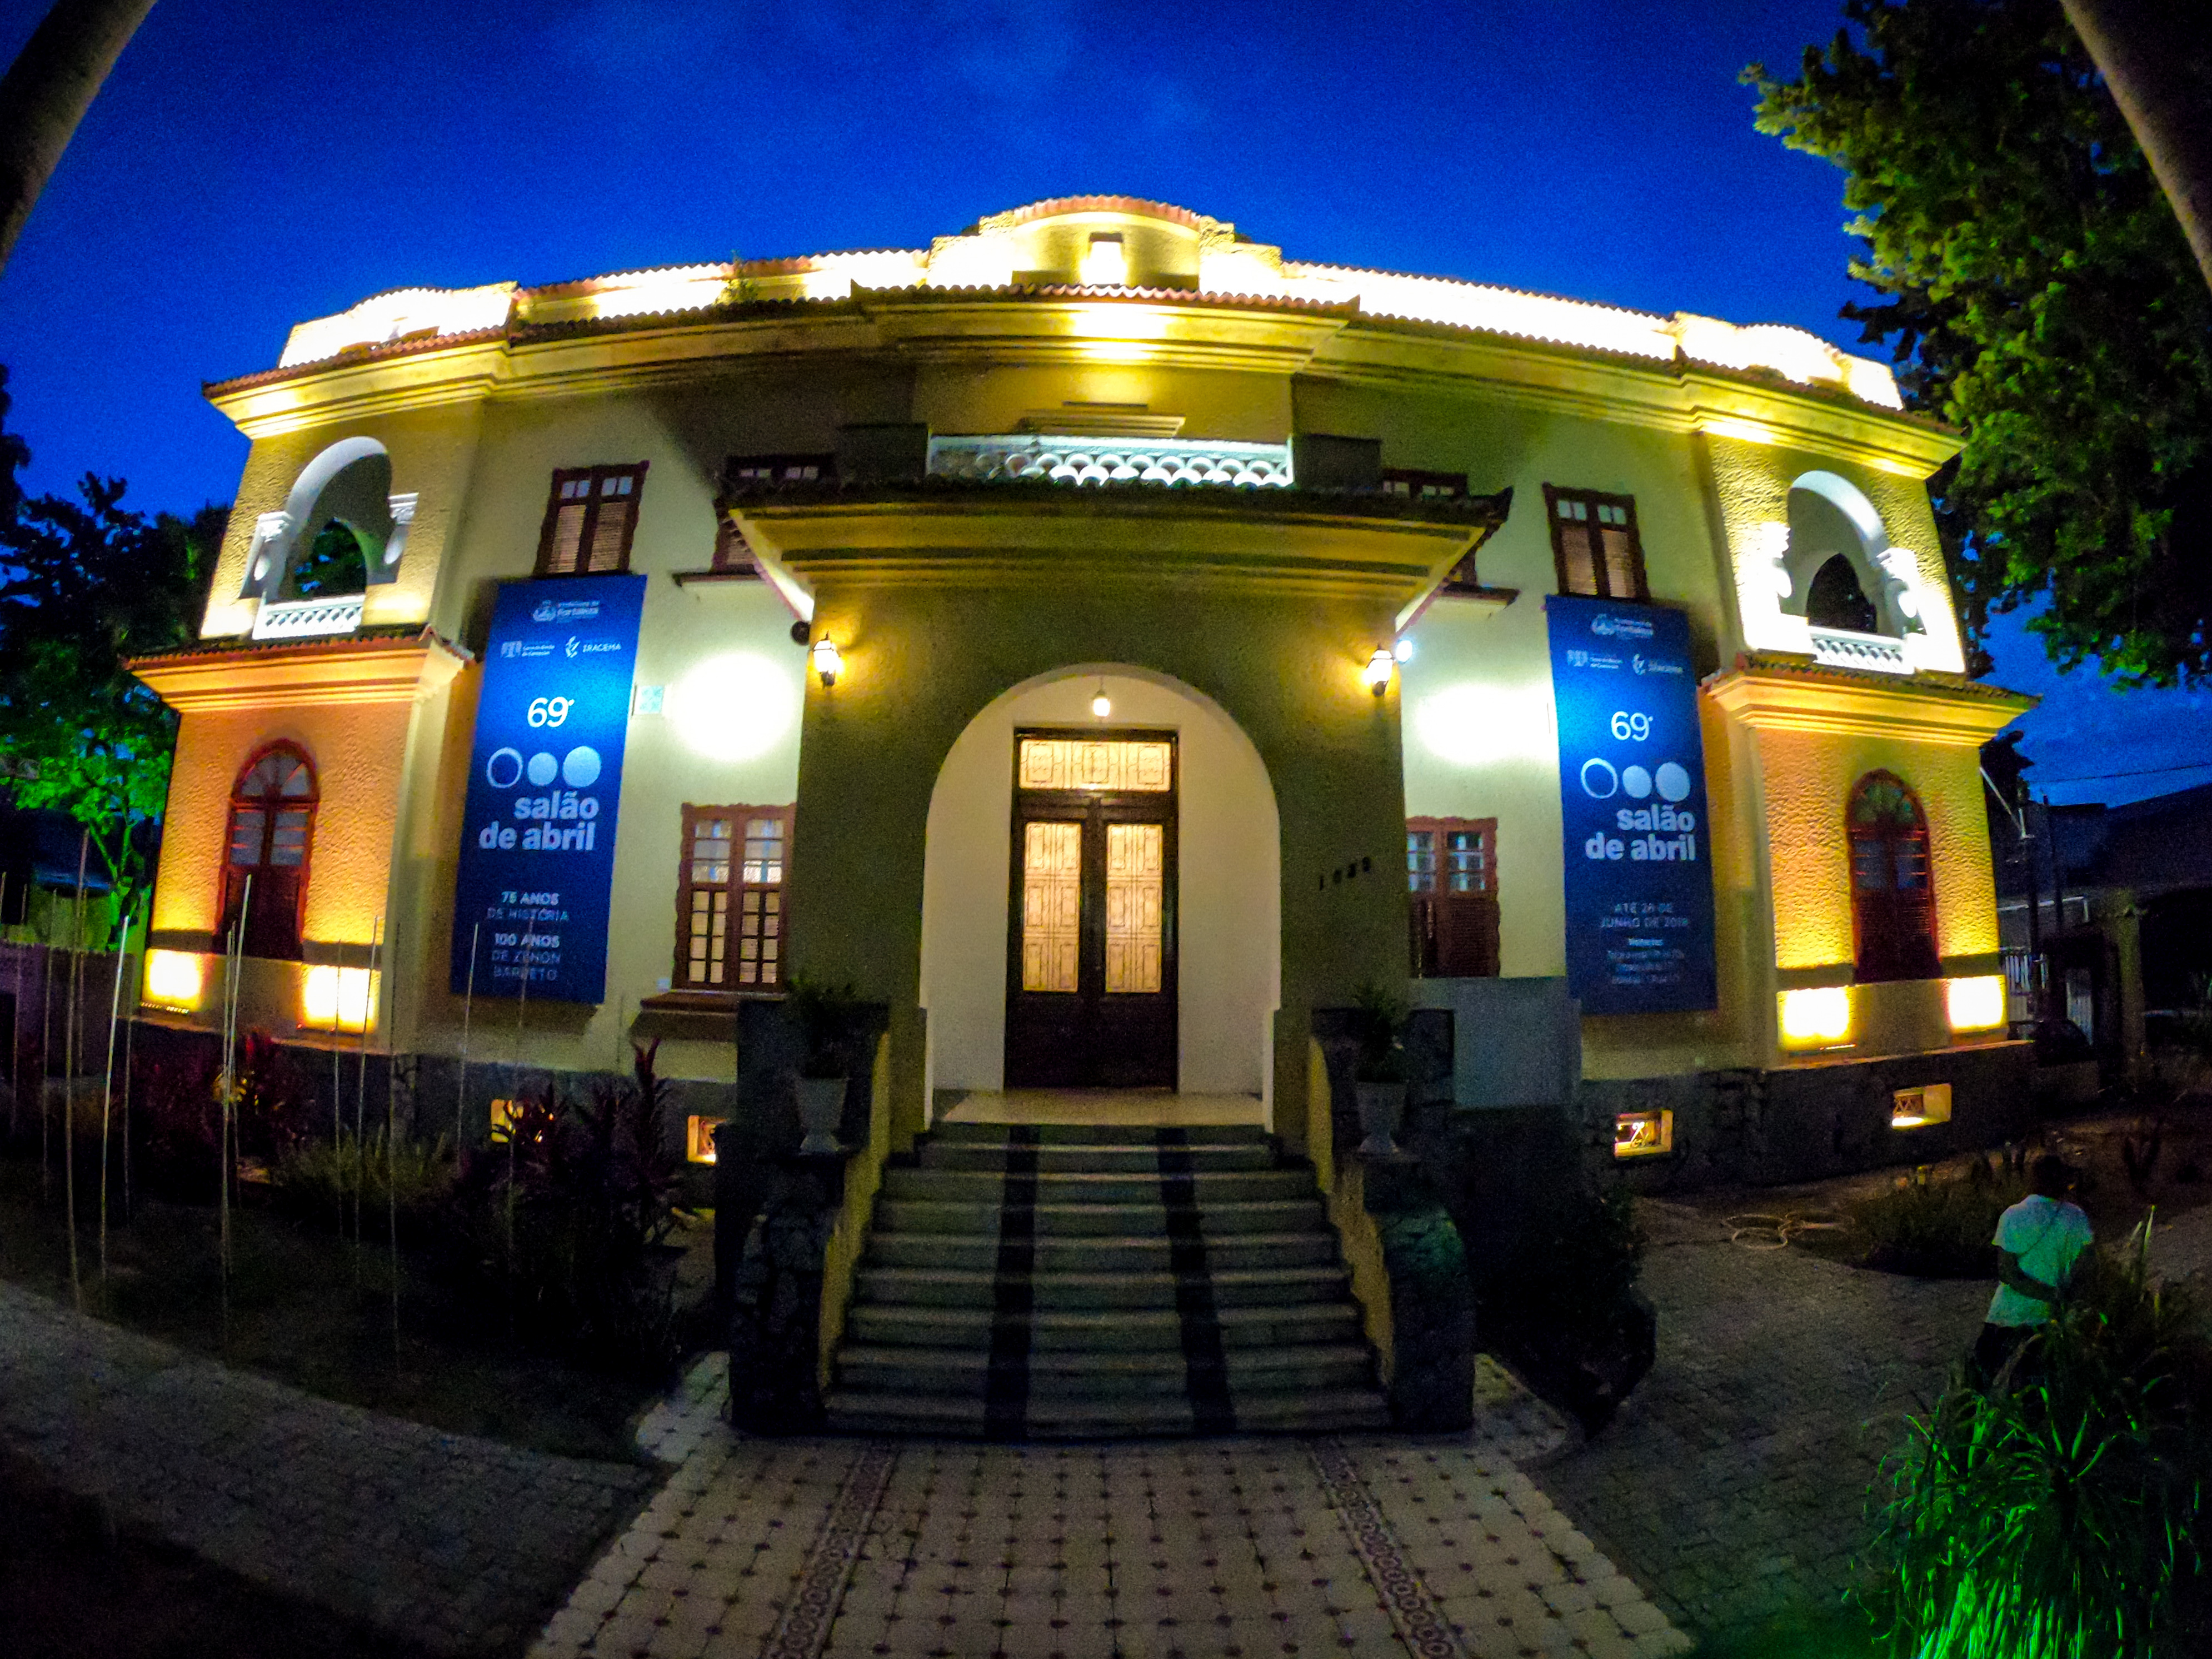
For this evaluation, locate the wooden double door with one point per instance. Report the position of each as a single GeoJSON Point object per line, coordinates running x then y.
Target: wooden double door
{"type": "Point", "coordinates": [1091, 968]}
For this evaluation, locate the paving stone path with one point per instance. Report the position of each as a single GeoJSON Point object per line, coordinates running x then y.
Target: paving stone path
{"type": "Point", "coordinates": [455, 1543]}
{"type": "Point", "coordinates": [1734, 1485]}
{"type": "Point", "coordinates": [1201, 1549]}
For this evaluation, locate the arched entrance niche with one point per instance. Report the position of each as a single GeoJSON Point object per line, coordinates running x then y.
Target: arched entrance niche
{"type": "Point", "coordinates": [1229, 900]}
{"type": "Point", "coordinates": [349, 484]}
{"type": "Point", "coordinates": [1834, 565]}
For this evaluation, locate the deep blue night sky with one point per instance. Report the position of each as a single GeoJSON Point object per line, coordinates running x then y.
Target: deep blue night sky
{"type": "Point", "coordinates": [252, 164]}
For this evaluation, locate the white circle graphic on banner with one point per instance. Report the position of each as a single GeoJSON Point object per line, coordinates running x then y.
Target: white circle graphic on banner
{"type": "Point", "coordinates": [1636, 780]}
{"type": "Point", "coordinates": [1674, 781]}
{"type": "Point", "coordinates": [503, 770]}
{"type": "Point", "coordinates": [1600, 780]}
{"type": "Point", "coordinates": [543, 768]}
{"type": "Point", "coordinates": [580, 767]}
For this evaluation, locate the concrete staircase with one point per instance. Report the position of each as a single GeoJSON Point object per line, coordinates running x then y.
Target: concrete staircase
{"type": "Point", "coordinates": [1041, 1282]}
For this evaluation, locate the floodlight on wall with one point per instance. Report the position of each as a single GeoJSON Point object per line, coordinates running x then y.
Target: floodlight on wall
{"type": "Point", "coordinates": [1976, 1004]}
{"type": "Point", "coordinates": [1102, 705]}
{"type": "Point", "coordinates": [828, 662]}
{"type": "Point", "coordinates": [1378, 671]}
{"type": "Point", "coordinates": [335, 999]}
{"type": "Point", "coordinates": [172, 978]}
{"type": "Point", "coordinates": [1817, 1018]}
{"type": "Point", "coordinates": [699, 1138]}
{"type": "Point", "coordinates": [1917, 1109]}
{"type": "Point", "coordinates": [1403, 650]}
{"type": "Point", "coordinates": [1643, 1135]}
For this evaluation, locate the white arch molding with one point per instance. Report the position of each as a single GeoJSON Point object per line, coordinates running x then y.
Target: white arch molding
{"type": "Point", "coordinates": [1830, 517]}
{"type": "Point", "coordinates": [350, 483]}
{"type": "Point", "coordinates": [1228, 899]}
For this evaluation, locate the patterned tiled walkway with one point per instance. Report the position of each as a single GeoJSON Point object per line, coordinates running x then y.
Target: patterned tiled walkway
{"type": "Point", "coordinates": [1205, 1549]}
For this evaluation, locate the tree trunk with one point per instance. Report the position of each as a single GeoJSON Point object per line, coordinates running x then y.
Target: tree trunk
{"type": "Point", "coordinates": [46, 93]}
{"type": "Point", "coordinates": [2158, 64]}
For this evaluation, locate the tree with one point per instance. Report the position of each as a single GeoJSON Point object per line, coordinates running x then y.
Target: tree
{"type": "Point", "coordinates": [2038, 292]}
{"type": "Point", "coordinates": [46, 92]}
{"type": "Point", "coordinates": [84, 584]}
{"type": "Point", "coordinates": [2157, 58]}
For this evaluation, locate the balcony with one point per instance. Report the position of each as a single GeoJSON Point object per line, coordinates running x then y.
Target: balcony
{"type": "Point", "coordinates": [1076, 460]}
{"type": "Point", "coordinates": [1837, 647]}
{"type": "Point", "coordinates": [308, 619]}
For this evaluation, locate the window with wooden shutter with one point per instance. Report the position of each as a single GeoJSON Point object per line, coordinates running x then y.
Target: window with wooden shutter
{"type": "Point", "coordinates": [272, 820]}
{"type": "Point", "coordinates": [1451, 880]}
{"type": "Point", "coordinates": [1594, 545]}
{"type": "Point", "coordinates": [747, 475]}
{"type": "Point", "coordinates": [1892, 887]}
{"type": "Point", "coordinates": [589, 520]}
{"type": "Point", "coordinates": [730, 916]}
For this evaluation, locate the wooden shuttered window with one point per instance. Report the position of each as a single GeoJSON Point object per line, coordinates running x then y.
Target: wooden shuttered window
{"type": "Point", "coordinates": [272, 821]}
{"type": "Point", "coordinates": [1451, 880]}
{"type": "Point", "coordinates": [1892, 887]}
{"type": "Point", "coordinates": [731, 922]}
{"type": "Point", "coordinates": [747, 475]}
{"type": "Point", "coordinates": [590, 520]}
{"type": "Point", "coordinates": [1594, 545]}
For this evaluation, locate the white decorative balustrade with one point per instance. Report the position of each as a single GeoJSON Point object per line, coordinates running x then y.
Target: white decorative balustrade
{"type": "Point", "coordinates": [1047, 459]}
{"type": "Point", "coordinates": [307, 619]}
{"type": "Point", "coordinates": [1837, 647]}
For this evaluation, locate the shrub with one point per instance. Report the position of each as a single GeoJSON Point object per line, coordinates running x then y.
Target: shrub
{"type": "Point", "coordinates": [567, 1213]}
{"type": "Point", "coordinates": [1940, 1229]}
{"type": "Point", "coordinates": [1564, 1309]}
{"type": "Point", "coordinates": [320, 1180]}
{"type": "Point", "coordinates": [2060, 1515]}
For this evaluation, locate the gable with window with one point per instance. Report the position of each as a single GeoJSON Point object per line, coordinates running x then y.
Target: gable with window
{"type": "Point", "coordinates": [1893, 888]}
{"type": "Point", "coordinates": [1451, 878]}
{"type": "Point", "coordinates": [265, 875]}
{"type": "Point", "coordinates": [731, 922]}
{"type": "Point", "coordinates": [590, 520]}
{"type": "Point", "coordinates": [1595, 546]}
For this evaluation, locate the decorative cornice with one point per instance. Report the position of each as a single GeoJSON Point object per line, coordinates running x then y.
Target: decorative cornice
{"type": "Point", "coordinates": [357, 670]}
{"type": "Point", "coordinates": [1776, 693]}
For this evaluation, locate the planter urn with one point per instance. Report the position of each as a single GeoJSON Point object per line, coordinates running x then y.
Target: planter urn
{"type": "Point", "coordinates": [821, 1109]}
{"type": "Point", "coordinates": [1382, 1106]}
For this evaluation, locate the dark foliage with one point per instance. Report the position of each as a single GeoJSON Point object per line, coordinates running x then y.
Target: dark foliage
{"type": "Point", "coordinates": [1564, 1309]}
{"type": "Point", "coordinates": [2037, 291]}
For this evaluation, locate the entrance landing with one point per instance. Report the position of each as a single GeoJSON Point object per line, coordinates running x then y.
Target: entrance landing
{"type": "Point", "coordinates": [1149, 1109]}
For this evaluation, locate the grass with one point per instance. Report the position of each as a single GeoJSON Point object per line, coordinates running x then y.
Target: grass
{"type": "Point", "coordinates": [71, 1587]}
{"type": "Point", "coordinates": [1938, 1229]}
{"type": "Point", "coordinates": [308, 1309]}
{"type": "Point", "coordinates": [1840, 1632]}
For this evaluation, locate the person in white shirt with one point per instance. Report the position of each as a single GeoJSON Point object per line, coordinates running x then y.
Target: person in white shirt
{"type": "Point", "coordinates": [2039, 1240]}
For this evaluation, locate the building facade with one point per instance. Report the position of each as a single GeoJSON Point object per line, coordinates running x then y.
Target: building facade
{"type": "Point", "coordinates": [1103, 641]}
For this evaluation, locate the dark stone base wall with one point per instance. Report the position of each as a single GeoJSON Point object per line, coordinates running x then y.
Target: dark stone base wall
{"type": "Point", "coordinates": [1804, 1124]}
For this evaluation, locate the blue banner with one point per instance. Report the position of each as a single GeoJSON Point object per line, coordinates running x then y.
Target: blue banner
{"type": "Point", "coordinates": [538, 840]}
{"type": "Point", "coordinates": [1639, 885]}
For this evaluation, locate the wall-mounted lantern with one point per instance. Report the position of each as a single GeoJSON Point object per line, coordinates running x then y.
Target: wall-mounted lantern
{"type": "Point", "coordinates": [1378, 671]}
{"type": "Point", "coordinates": [827, 662]}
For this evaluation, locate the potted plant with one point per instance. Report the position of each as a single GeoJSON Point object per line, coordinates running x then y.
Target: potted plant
{"type": "Point", "coordinates": [1380, 1074]}
{"type": "Point", "coordinates": [826, 1017]}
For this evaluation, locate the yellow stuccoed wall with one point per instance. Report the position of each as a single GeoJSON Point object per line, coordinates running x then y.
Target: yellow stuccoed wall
{"type": "Point", "coordinates": [432, 452]}
{"type": "Point", "coordinates": [357, 750]}
{"type": "Point", "coordinates": [1809, 778]}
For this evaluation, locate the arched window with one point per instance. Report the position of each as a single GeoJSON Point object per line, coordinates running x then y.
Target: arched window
{"type": "Point", "coordinates": [1893, 891]}
{"type": "Point", "coordinates": [272, 820]}
{"type": "Point", "coordinates": [1837, 600]}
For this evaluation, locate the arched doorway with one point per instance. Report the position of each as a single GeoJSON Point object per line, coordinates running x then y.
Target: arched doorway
{"type": "Point", "coordinates": [1164, 867]}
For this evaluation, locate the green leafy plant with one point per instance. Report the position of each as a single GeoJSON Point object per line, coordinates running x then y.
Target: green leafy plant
{"type": "Point", "coordinates": [319, 1180]}
{"type": "Point", "coordinates": [1563, 1306]}
{"type": "Point", "coordinates": [1939, 1229]}
{"type": "Point", "coordinates": [829, 1019]}
{"type": "Point", "coordinates": [1382, 1015]}
{"type": "Point", "coordinates": [2060, 1515]}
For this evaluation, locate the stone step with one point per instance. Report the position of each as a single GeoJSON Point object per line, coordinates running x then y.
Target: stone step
{"type": "Point", "coordinates": [1103, 1254]}
{"type": "Point", "coordinates": [1118, 1220]}
{"type": "Point", "coordinates": [1327, 1411]}
{"type": "Point", "coordinates": [1083, 1134]}
{"type": "Point", "coordinates": [1087, 1374]}
{"type": "Point", "coordinates": [1099, 1157]}
{"type": "Point", "coordinates": [1108, 1330]}
{"type": "Point", "coordinates": [1324, 1280]}
{"type": "Point", "coordinates": [1209, 1188]}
